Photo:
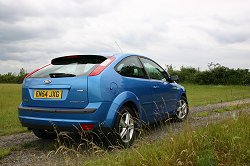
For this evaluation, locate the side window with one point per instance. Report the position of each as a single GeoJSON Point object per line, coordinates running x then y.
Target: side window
{"type": "Point", "coordinates": [131, 67]}
{"type": "Point", "coordinates": [154, 70]}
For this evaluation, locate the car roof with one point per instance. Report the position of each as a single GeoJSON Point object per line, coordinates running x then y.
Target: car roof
{"type": "Point", "coordinates": [123, 55]}
{"type": "Point", "coordinates": [118, 56]}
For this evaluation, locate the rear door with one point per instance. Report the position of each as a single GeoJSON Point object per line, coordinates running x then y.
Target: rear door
{"type": "Point", "coordinates": [63, 84]}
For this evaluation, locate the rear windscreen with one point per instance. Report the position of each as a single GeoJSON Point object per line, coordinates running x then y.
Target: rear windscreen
{"type": "Point", "coordinates": [70, 66]}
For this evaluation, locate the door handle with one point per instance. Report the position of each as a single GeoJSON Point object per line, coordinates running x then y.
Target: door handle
{"type": "Point", "coordinates": [155, 86]}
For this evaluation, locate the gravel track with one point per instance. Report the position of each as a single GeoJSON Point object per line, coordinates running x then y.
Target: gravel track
{"type": "Point", "coordinates": [38, 152]}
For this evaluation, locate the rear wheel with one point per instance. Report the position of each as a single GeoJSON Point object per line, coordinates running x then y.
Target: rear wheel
{"type": "Point", "coordinates": [125, 131]}
{"type": "Point", "coordinates": [182, 110]}
{"type": "Point", "coordinates": [44, 134]}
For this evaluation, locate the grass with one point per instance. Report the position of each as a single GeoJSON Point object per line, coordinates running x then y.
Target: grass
{"type": "Point", "coordinates": [26, 145]}
{"type": "Point", "coordinates": [201, 114]}
{"type": "Point", "coordinates": [225, 143]}
{"type": "Point", "coordinates": [221, 110]}
{"type": "Point", "coordinates": [230, 108]}
{"type": "Point", "coordinates": [10, 98]}
{"type": "Point", "coordinates": [6, 151]}
{"type": "Point", "coordinates": [210, 94]}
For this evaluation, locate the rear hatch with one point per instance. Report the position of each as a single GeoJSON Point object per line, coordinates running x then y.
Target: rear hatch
{"type": "Point", "coordinates": [62, 84]}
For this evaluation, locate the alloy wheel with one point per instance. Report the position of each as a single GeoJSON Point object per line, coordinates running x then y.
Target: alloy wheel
{"type": "Point", "coordinates": [126, 127]}
{"type": "Point", "coordinates": [182, 109]}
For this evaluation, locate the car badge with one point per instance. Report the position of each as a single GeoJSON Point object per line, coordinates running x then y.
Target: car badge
{"type": "Point", "coordinates": [47, 81]}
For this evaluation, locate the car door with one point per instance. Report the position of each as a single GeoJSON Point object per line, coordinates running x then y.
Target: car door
{"type": "Point", "coordinates": [164, 92]}
{"type": "Point", "coordinates": [134, 79]}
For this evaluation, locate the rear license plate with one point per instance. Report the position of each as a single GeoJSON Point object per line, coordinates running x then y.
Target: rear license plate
{"type": "Point", "coordinates": [47, 94]}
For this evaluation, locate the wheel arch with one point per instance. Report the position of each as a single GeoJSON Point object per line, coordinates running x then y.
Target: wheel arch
{"type": "Point", "coordinates": [184, 95]}
{"type": "Point", "coordinates": [124, 99]}
{"type": "Point", "coordinates": [133, 106]}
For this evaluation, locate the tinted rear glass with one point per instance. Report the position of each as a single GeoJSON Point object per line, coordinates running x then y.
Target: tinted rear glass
{"type": "Point", "coordinates": [131, 67]}
{"type": "Point", "coordinates": [70, 66]}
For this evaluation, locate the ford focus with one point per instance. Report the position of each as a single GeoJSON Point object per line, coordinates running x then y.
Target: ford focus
{"type": "Point", "coordinates": [117, 93]}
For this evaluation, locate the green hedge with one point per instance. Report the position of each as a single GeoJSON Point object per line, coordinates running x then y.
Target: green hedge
{"type": "Point", "coordinates": [12, 77]}
{"type": "Point", "coordinates": [216, 74]}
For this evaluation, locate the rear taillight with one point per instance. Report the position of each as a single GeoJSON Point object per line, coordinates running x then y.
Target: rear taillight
{"type": "Point", "coordinates": [102, 66]}
{"type": "Point", "coordinates": [27, 76]}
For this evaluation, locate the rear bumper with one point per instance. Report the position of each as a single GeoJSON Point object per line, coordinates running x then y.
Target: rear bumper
{"type": "Point", "coordinates": [64, 119]}
{"type": "Point", "coordinates": [55, 110]}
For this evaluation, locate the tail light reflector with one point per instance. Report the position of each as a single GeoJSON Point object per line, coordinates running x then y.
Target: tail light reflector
{"type": "Point", "coordinates": [87, 127]}
{"type": "Point", "coordinates": [102, 66]}
{"type": "Point", "coordinates": [27, 76]}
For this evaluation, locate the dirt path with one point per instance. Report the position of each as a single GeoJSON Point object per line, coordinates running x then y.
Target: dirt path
{"type": "Point", "coordinates": [219, 105]}
{"type": "Point", "coordinates": [36, 152]}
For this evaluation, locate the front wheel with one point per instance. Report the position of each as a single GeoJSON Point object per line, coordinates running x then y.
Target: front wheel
{"type": "Point", "coordinates": [125, 127]}
{"type": "Point", "coordinates": [182, 110]}
{"type": "Point", "coordinates": [44, 134]}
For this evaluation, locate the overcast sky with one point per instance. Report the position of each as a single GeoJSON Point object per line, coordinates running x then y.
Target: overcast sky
{"type": "Point", "coordinates": [188, 32]}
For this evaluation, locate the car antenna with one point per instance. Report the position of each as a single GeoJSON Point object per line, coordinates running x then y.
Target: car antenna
{"type": "Point", "coordinates": [118, 46]}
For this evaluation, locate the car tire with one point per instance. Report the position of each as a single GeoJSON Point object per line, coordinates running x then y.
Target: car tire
{"type": "Point", "coordinates": [125, 127]}
{"type": "Point", "coordinates": [44, 134]}
{"type": "Point", "coordinates": [182, 109]}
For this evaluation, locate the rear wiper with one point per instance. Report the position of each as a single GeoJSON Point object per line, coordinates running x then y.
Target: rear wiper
{"type": "Point", "coordinates": [56, 75]}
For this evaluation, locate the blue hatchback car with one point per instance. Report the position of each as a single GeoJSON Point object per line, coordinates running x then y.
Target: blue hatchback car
{"type": "Point", "coordinates": [96, 92]}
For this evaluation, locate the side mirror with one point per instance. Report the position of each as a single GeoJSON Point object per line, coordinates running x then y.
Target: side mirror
{"type": "Point", "coordinates": [174, 78]}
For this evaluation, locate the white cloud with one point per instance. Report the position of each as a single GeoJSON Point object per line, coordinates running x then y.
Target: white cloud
{"type": "Point", "coordinates": [190, 33]}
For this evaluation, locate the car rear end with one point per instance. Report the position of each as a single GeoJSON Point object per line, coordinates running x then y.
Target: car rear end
{"type": "Point", "coordinates": [57, 95]}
